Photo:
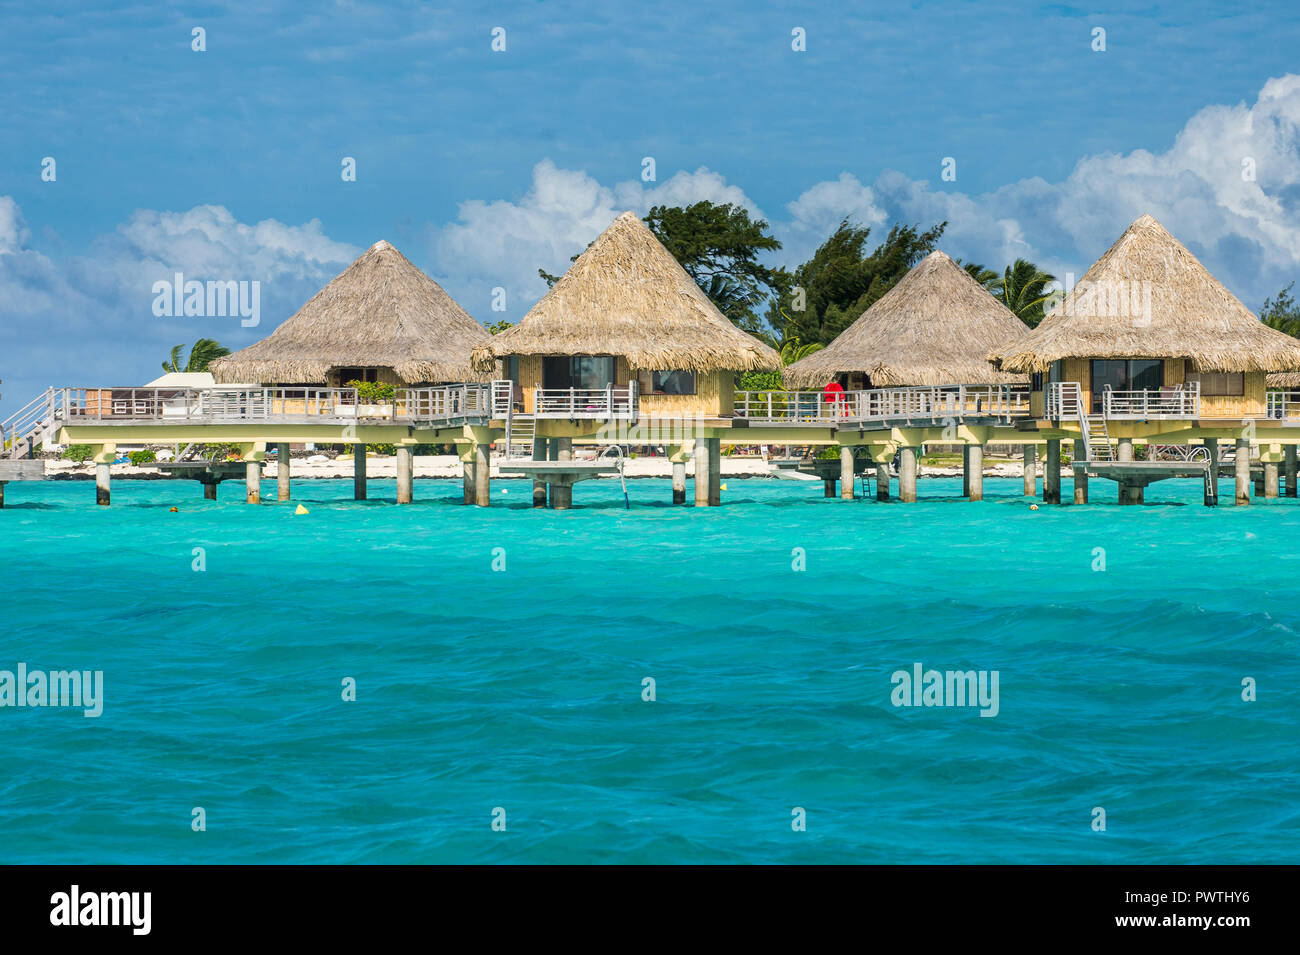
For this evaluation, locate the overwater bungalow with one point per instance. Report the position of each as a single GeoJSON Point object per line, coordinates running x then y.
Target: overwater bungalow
{"type": "Point", "coordinates": [624, 336]}
{"type": "Point", "coordinates": [1150, 348]}
{"type": "Point", "coordinates": [380, 320]}
{"type": "Point", "coordinates": [931, 333]}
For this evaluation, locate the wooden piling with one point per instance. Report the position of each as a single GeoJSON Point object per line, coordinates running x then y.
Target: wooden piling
{"type": "Point", "coordinates": [282, 471]}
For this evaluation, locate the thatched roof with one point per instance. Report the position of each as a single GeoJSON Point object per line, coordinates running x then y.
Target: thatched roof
{"type": "Point", "coordinates": [1289, 380]}
{"type": "Point", "coordinates": [380, 312]}
{"type": "Point", "coordinates": [933, 328]}
{"type": "Point", "coordinates": [1149, 297]}
{"type": "Point", "coordinates": [626, 295]}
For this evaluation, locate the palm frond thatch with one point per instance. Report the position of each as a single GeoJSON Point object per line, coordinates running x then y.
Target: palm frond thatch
{"type": "Point", "coordinates": [380, 312]}
{"type": "Point", "coordinates": [627, 296]}
{"type": "Point", "coordinates": [1149, 297]}
{"type": "Point", "coordinates": [933, 328]}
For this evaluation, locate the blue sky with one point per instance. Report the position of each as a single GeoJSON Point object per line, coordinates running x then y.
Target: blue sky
{"type": "Point", "coordinates": [483, 166]}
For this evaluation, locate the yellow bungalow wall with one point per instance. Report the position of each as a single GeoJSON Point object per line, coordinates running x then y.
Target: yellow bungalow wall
{"type": "Point", "coordinates": [1253, 403]}
{"type": "Point", "coordinates": [715, 391]}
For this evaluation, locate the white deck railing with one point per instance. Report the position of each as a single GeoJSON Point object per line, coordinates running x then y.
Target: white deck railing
{"type": "Point", "coordinates": [1064, 400]}
{"type": "Point", "coordinates": [1180, 401]}
{"type": "Point", "coordinates": [586, 403]}
{"type": "Point", "coordinates": [220, 405]}
{"type": "Point", "coordinates": [882, 404]}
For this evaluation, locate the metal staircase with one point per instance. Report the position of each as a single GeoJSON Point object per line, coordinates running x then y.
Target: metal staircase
{"type": "Point", "coordinates": [34, 424]}
{"type": "Point", "coordinates": [1096, 437]}
{"type": "Point", "coordinates": [521, 431]}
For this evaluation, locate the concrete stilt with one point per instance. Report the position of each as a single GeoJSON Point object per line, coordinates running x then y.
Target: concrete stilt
{"type": "Point", "coordinates": [2, 495]}
{"type": "Point", "coordinates": [541, 448]}
{"type": "Point", "coordinates": [1243, 471]}
{"type": "Point", "coordinates": [1031, 469]}
{"type": "Point", "coordinates": [846, 474]}
{"type": "Point", "coordinates": [828, 486]}
{"type": "Point", "coordinates": [467, 468]}
{"type": "Point", "coordinates": [882, 481]}
{"type": "Point", "coordinates": [700, 455]}
{"type": "Point", "coordinates": [562, 494]}
{"type": "Point", "coordinates": [103, 484]}
{"type": "Point", "coordinates": [1125, 450]}
{"type": "Point", "coordinates": [359, 472]}
{"type": "Point", "coordinates": [1080, 477]}
{"type": "Point", "coordinates": [715, 471]}
{"type": "Point", "coordinates": [679, 482]}
{"type": "Point", "coordinates": [907, 475]}
{"type": "Point", "coordinates": [1270, 480]}
{"type": "Point", "coordinates": [482, 474]}
{"type": "Point", "coordinates": [1290, 468]}
{"type": "Point", "coordinates": [1212, 446]}
{"type": "Point", "coordinates": [253, 481]}
{"type": "Point", "coordinates": [1259, 482]}
{"type": "Point", "coordinates": [965, 470]}
{"type": "Point", "coordinates": [1052, 472]}
{"type": "Point", "coordinates": [405, 475]}
{"type": "Point", "coordinates": [282, 471]}
{"type": "Point", "coordinates": [209, 490]}
{"type": "Point", "coordinates": [975, 471]}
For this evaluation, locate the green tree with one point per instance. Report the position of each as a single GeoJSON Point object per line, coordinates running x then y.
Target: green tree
{"type": "Point", "coordinates": [718, 245]}
{"type": "Point", "coordinates": [201, 355]}
{"type": "Point", "coordinates": [841, 280]}
{"type": "Point", "coordinates": [981, 273]}
{"type": "Point", "coordinates": [1024, 289]}
{"type": "Point", "coordinates": [1282, 313]}
{"type": "Point", "coordinates": [497, 327]}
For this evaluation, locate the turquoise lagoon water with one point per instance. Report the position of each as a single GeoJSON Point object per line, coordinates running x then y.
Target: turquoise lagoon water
{"type": "Point", "coordinates": [521, 688]}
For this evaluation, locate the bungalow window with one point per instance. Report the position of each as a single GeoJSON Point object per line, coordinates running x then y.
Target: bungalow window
{"type": "Point", "coordinates": [1128, 374]}
{"type": "Point", "coordinates": [1036, 381]}
{"type": "Point", "coordinates": [583, 372]}
{"type": "Point", "coordinates": [1220, 383]}
{"type": "Point", "coordinates": [357, 374]}
{"type": "Point", "coordinates": [672, 383]}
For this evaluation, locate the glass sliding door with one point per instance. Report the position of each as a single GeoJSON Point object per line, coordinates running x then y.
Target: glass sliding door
{"type": "Point", "coordinates": [583, 372]}
{"type": "Point", "coordinates": [1125, 374]}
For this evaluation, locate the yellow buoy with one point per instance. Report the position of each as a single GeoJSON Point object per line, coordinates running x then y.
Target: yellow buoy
{"type": "Point", "coordinates": [301, 510]}
{"type": "Point", "coordinates": [722, 487]}
{"type": "Point", "coordinates": [1033, 507]}
{"type": "Point", "coordinates": [174, 509]}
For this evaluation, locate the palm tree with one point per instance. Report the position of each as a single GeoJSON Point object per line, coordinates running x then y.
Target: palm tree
{"type": "Point", "coordinates": [203, 352]}
{"type": "Point", "coordinates": [1024, 289]}
{"type": "Point", "coordinates": [981, 273]}
{"type": "Point", "coordinates": [791, 349]}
